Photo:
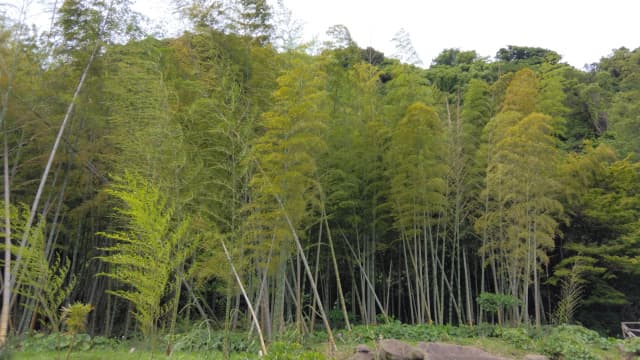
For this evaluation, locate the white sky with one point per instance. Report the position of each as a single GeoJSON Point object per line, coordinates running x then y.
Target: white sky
{"type": "Point", "coordinates": [581, 31]}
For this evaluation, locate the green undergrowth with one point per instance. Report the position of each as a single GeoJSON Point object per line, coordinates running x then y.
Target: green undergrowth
{"type": "Point", "coordinates": [556, 342]}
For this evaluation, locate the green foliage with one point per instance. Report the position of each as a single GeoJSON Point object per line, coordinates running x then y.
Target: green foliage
{"type": "Point", "coordinates": [6, 353]}
{"type": "Point", "coordinates": [492, 302]}
{"type": "Point", "coordinates": [216, 126]}
{"type": "Point", "coordinates": [45, 283]}
{"type": "Point", "coordinates": [57, 341]}
{"type": "Point", "coordinates": [522, 93]}
{"type": "Point", "coordinates": [453, 70]}
{"type": "Point", "coordinates": [572, 342]}
{"type": "Point", "coordinates": [291, 351]}
{"type": "Point", "coordinates": [150, 249]}
{"type": "Point", "coordinates": [203, 339]}
{"type": "Point", "coordinates": [420, 332]}
{"type": "Point", "coordinates": [570, 295]}
{"type": "Point", "coordinates": [519, 337]}
{"type": "Point", "coordinates": [601, 198]}
{"type": "Point", "coordinates": [417, 170]}
{"type": "Point", "coordinates": [285, 153]}
{"type": "Point", "coordinates": [559, 342]}
{"type": "Point", "coordinates": [407, 86]}
{"type": "Point", "coordinates": [75, 317]}
{"type": "Point", "coordinates": [527, 56]}
{"type": "Point", "coordinates": [631, 345]}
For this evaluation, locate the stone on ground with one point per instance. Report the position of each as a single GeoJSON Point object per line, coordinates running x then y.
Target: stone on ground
{"type": "Point", "coordinates": [442, 351]}
{"type": "Point", "coordinates": [362, 353]}
{"type": "Point", "coordinates": [391, 349]}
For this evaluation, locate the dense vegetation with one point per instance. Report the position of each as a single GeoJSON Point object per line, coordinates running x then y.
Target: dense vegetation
{"type": "Point", "coordinates": [331, 183]}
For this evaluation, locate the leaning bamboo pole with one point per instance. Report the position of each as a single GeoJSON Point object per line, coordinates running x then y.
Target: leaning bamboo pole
{"type": "Point", "coordinates": [246, 297]}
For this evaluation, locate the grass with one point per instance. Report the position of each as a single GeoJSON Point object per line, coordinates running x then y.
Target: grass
{"type": "Point", "coordinates": [125, 355]}
{"type": "Point", "coordinates": [558, 343]}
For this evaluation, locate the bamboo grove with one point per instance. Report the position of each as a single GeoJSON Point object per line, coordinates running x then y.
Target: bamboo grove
{"type": "Point", "coordinates": [335, 184]}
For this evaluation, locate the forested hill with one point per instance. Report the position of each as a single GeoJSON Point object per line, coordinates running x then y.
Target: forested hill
{"type": "Point", "coordinates": [341, 181]}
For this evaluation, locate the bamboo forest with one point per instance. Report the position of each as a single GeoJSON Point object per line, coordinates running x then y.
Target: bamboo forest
{"type": "Point", "coordinates": [237, 181]}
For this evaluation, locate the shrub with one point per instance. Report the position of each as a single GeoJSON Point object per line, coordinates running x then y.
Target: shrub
{"type": "Point", "coordinates": [291, 351]}
{"type": "Point", "coordinates": [573, 342]}
{"type": "Point", "coordinates": [203, 339]}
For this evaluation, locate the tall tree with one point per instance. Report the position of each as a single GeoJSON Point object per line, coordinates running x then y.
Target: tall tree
{"type": "Point", "coordinates": [523, 189]}
{"type": "Point", "coordinates": [149, 249]}
{"type": "Point", "coordinates": [284, 190]}
{"type": "Point", "coordinates": [418, 186]}
{"type": "Point", "coordinates": [405, 52]}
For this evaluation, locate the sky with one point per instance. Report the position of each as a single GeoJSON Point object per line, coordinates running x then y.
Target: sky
{"type": "Point", "coordinates": [581, 31]}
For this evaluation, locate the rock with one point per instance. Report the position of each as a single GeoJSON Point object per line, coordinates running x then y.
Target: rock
{"type": "Point", "coordinates": [442, 351]}
{"type": "Point", "coordinates": [390, 349]}
{"type": "Point", "coordinates": [362, 356]}
{"type": "Point", "coordinates": [535, 357]}
{"type": "Point", "coordinates": [362, 353]}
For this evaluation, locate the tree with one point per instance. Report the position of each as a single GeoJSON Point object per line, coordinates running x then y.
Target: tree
{"type": "Point", "coordinates": [7, 75]}
{"type": "Point", "coordinates": [340, 37]}
{"type": "Point", "coordinates": [521, 194]}
{"type": "Point", "coordinates": [455, 57]}
{"type": "Point", "coordinates": [522, 93]}
{"type": "Point", "coordinates": [452, 69]}
{"type": "Point", "coordinates": [255, 20]}
{"type": "Point", "coordinates": [287, 30]}
{"type": "Point", "coordinates": [89, 26]}
{"type": "Point", "coordinates": [528, 55]}
{"type": "Point", "coordinates": [405, 52]}
{"type": "Point", "coordinates": [354, 177]}
{"type": "Point", "coordinates": [149, 249]}
{"type": "Point", "coordinates": [624, 117]}
{"type": "Point", "coordinates": [407, 86]}
{"type": "Point", "coordinates": [417, 172]}
{"type": "Point", "coordinates": [284, 190]}
{"type": "Point", "coordinates": [600, 197]}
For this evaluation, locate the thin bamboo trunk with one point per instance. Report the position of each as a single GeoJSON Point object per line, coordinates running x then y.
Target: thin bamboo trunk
{"type": "Point", "coordinates": [56, 144]}
{"type": "Point", "coordinates": [246, 298]}
{"type": "Point", "coordinates": [8, 278]}
{"type": "Point", "coordinates": [371, 288]}
{"type": "Point", "coordinates": [336, 270]}
{"type": "Point", "coordinates": [312, 320]}
{"type": "Point", "coordinates": [6, 291]}
{"type": "Point", "coordinates": [332, 342]}
{"type": "Point", "coordinates": [298, 298]}
{"type": "Point", "coordinates": [468, 289]}
{"type": "Point", "coordinates": [536, 281]}
{"type": "Point", "coordinates": [412, 311]}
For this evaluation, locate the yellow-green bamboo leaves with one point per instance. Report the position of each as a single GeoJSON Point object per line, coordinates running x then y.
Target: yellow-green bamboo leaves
{"type": "Point", "coordinates": [521, 194]}
{"type": "Point", "coordinates": [286, 149]}
{"type": "Point", "coordinates": [148, 250]}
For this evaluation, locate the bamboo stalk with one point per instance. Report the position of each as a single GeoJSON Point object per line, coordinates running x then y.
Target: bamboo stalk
{"type": "Point", "coordinates": [246, 297]}
{"type": "Point", "coordinates": [371, 288]}
{"type": "Point", "coordinates": [337, 271]}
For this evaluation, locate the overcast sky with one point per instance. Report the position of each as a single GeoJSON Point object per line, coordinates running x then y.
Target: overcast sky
{"type": "Point", "coordinates": [581, 31]}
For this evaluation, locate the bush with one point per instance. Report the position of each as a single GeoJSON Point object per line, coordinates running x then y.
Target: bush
{"type": "Point", "coordinates": [5, 353]}
{"type": "Point", "coordinates": [573, 342]}
{"type": "Point", "coordinates": [631, 346]}
{"type": "Point", "coordinates": [59, 341]}
{"type": "Point", "coordinates": [204, 339]}
{"type": "Point", "coordinates": [398, 330]}
{"type": "Point", "coordinates": [518, 337]}
{"type": "Point", "coordinates": [291, 351]}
